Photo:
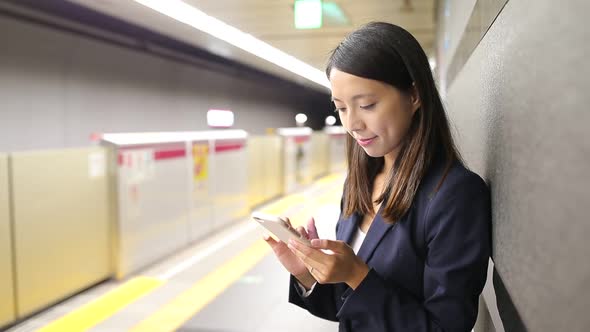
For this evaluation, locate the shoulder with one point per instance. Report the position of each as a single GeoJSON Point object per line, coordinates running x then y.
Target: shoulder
{"type": "Point", "coordinates": [459, 179]}
{"type": "Point", "coordinates": [449, 190]}
{"type": "Point", "coordinates": [461, 203]}
{"type": "Point", "coordinates": [455, 181]}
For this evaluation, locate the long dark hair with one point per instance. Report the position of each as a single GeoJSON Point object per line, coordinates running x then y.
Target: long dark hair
{"type": "Point", "coordinates": [387, 53]}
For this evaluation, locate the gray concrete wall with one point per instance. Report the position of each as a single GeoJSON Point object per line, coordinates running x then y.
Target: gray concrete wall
{"type": "Point", "coordinates": [519, 109]}
{"type": "Point", "coordinates": [56, 89]}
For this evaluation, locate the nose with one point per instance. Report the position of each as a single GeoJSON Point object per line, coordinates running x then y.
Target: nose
{"type": "Point", "coordinates": [352, 121]}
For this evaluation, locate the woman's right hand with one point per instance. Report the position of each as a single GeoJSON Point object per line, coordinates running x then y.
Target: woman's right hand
{"type": "Point", "coordinates": [288, 259]}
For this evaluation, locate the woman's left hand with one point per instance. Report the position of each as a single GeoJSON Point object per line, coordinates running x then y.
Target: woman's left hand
{"type": "Point", "coordinates": [339, 265]}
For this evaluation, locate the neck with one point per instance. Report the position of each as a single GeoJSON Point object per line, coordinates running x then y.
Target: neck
{"type": "Point", "coordinates": [389, 160]}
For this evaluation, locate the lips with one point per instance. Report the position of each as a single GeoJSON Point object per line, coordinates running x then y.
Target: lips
{"type": "Point", "coordinates": [365, 141]}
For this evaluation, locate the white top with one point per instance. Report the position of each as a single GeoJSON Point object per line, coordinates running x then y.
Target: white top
{"type": "Point", "coordinates": [357, 241]}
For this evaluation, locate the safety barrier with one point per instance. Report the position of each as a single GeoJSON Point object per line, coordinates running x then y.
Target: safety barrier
{"type": "Point", "coordinates": [7, 309]}
{"type": "Point", "coordinates": [60, 225]}
{"type": "Point", "coordinates": [134, 200]}
{"type": "Point", "coordinates": [265, 165]}
{"type": "Point", "coordinates": [173, 189]}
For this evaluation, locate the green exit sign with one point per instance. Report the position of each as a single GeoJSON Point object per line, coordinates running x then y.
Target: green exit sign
{"type": "Point", "coordinates": [308, 14]}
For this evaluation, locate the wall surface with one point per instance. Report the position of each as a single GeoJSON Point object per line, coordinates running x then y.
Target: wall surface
{"type": "Point", "coordinates": [519, 109]}
{"type": "Point", "coordinates": [58, 88]}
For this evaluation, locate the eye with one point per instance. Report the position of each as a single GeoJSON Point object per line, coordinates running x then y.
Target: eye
{"type": "Point", "coordinates": [368, 107]}
{"type": "Point", "coordinates": [339, 109]}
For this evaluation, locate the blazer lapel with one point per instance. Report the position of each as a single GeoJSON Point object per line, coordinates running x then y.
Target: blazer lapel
{"type": "Point", "coordinates": [347, 228]}
{"type": "Point", "coordinates": [376, 232]}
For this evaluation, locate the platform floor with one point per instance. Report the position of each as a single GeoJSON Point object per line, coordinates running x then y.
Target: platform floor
{"type": "Point", "coordinates": [228, 282]}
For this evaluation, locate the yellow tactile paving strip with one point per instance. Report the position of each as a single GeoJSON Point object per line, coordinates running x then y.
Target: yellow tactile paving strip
{"type": "Point", "coordinates": [105, 306]}
{"type": "Point", "coordinates": [175, 313]}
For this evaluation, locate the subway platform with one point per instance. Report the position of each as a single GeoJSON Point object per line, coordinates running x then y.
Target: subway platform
{"type": "Point", "coordinates": [229, 282]}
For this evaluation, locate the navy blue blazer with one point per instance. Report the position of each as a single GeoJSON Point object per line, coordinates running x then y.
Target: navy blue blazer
{"type": "Point", "coordinates": [426, 271]}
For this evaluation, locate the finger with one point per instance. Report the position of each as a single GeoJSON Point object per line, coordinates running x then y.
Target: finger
{"type": "Point", "coordinates": [303, 232]}
{"type": "Point", "coordinates": [300, 250]}
{"type": "Point", "coordinates": [285, 219]}
{"type": "Point", "coordinates": [312, 230]}
{"type": "Point", "coordinates": [271, 242]}
{"type": "Point", "coordinates": [317, 273]}
{"type": "Point", "coordinates": [308, 255]}
{"type": "Point", "coordinates": [315, 268]}
{"type": "Point", "coordinates": [306, 259]}
{"type": "Point", "coordinates": [336, 246]}
{"type": "Point", "coordinates": [277, 246]}
{"type": "Point", "coordinates": [268, 239]}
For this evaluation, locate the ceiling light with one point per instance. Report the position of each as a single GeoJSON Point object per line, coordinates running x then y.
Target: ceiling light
{"type": "Point", "coordinates": [330, 120]}
{"type": "Point", "coordinates": [197, 19]}
{"type": "Point", "coordinates": [220, 118]}
{"type": "Point", "coordinates": [308, 14]}
{"type": "Point", "coordinates": [300, 118]}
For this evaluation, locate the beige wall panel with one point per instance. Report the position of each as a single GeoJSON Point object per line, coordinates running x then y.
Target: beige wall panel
{"type": "Point", "coordinates": [264, 169]}
{"type": "Point", "coordinates": [229, 186]}
{"type": "Point", "coordinates": [297, 162]}
{"type": "Point", "coordinates": [273, 174]}
{"type": "Point", "coordinates": [255, 171]}
{"type": "Point", "coordinates": [7, 313]}
{"type": "Point", "coordinates": [61, 214]}
{"type": "Point", "coordinates": [319, 154]}
{"type": "Point", "coordinates": [337, 161]}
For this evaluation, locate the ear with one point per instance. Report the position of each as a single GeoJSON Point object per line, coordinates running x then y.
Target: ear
{"type": "Point", "coordinates": [415, 98]}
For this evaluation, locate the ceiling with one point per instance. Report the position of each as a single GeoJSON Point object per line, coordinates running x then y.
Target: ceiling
{"type": "Point", "coordinates": [272, 21]}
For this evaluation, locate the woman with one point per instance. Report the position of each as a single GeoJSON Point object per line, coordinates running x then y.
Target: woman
{"type": "Point", "coordinates": [413, 238]}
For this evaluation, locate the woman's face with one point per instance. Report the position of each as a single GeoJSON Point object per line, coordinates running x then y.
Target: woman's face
{"type": "Point", "coordinates": [375, 114]}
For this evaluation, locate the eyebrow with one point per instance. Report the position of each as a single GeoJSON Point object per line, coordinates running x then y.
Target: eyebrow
{"type": "Point", "coordinates": [362, 95]}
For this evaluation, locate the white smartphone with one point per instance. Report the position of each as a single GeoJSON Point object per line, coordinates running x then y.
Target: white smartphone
{"type": "Point", "coordinates": [279, 228]}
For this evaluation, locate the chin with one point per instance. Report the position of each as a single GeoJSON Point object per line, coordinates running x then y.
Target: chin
{"type": "Point", "coordinates": [373, 153]}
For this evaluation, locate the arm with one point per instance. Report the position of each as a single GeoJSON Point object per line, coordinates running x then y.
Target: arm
{"type": "Point", "coordinates": [321, 302]}
{"type": "Point", "coordinates": [458, 247]}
